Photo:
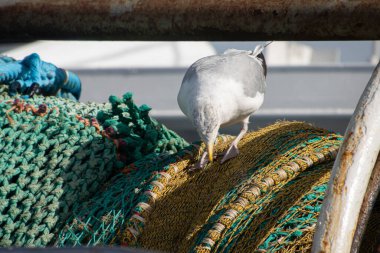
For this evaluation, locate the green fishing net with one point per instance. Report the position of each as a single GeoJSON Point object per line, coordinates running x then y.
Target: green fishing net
{"type": "Point", "coordinates": [51, 163]}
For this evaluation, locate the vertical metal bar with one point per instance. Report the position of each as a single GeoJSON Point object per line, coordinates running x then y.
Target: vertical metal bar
{"type": "Point", "coordinates": [370, 198]}
{"type": "Point", "coordinates": [351, 173]}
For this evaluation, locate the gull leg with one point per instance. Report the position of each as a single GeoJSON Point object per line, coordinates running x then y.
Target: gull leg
{"type": "Point", "coordinates": [202, 162]}
{"type": "Point", "coordinates": [233, 150]}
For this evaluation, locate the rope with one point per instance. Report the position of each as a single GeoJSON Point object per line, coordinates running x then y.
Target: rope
{"type": "Point", "coordinates": [33, 75]}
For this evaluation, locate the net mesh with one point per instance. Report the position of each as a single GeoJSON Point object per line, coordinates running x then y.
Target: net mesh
{"type": "Point", "coordinates": [265, 199]}
{"type": "Point", "coordinates": [54, 155]}
{"type": "Point", "coordinates": [107, 174]}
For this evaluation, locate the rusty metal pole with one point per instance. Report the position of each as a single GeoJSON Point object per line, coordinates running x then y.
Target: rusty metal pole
{"type": "Point", "coordinates": [189, 20]}
{"type": "Point", "coordinates": [370, 199]}
{"type": "Point", "coordinates": [339, 217]}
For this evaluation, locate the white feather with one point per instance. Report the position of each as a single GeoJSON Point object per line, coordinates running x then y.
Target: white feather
{"type": "Point", "coordinates": [222, 90]}
{"type": "Point", "coordinates": [260, 48]}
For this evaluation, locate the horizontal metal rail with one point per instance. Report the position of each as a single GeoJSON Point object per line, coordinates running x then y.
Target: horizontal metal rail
{"type": "Point", "coordinates": [189, 20]}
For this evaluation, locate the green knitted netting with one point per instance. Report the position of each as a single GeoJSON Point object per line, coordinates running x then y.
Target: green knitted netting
{"type": "Point", "coordinates": [49, 164]}
{"type": "Point", "coordinates": [97, 221]}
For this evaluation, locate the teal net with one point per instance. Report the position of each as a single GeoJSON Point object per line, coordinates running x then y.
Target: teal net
{"type": "Point", "coordinates": [98, 220]}
{"type": "Point", "coordinates": [52, 161]}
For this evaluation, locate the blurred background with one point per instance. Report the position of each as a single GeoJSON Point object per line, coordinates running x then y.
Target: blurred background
{"type": "Point", "coordinates": [318, 82]}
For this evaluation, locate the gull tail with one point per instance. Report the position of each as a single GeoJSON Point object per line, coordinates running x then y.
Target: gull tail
{"type": "Point", "coordinates": [258, 55]}
{"type": "Point", "coordinates": [260, 48]}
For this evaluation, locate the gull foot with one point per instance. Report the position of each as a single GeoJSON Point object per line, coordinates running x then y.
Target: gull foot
{"type": "Point", "coordinates": [231, 152]}
{"type": "Point", "coordinates": [203, 162]}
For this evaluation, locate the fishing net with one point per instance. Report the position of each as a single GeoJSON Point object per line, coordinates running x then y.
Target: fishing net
{"type": "Point", "coordinates": [75, 174]}
{"type": "Point", "coordinates": [107, 174]}
{"type": "Point", "coordinates": [265, 200]}
{"type": "Point", "coordinates": [54, 154]}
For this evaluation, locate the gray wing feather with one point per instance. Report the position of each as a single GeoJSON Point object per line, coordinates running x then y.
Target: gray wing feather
{"type": "Point", "coordinates": [236, 65]}
{"type": "Point", "coordinates": [250, 72]}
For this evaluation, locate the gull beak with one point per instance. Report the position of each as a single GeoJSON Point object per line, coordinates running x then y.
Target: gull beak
{"type": "Point", "coordinates": [210, 151]}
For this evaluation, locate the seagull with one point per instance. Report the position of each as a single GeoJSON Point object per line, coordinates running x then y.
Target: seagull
{"type": "Point", "coordinates": [222, 90]}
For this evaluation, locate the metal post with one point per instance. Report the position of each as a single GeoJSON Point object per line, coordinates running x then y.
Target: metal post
{"type": "Point", "coordinates": [353, 167]}
{"type": "Point", "coordinates": [369, 202]}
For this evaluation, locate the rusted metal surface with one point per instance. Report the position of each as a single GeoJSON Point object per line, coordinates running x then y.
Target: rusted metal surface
{"type": "Point", "coordinates": [351, 174]}
{"type": "Point", "coordinates": [370, 198]}
{"type": "Point", "coordinates": [189, 19]}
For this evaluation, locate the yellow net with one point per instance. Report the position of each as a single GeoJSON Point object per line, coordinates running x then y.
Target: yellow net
{"type": "Point", "coordinates": [266, 199]}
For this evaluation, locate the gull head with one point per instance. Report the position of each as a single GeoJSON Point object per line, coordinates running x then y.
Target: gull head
{"type": "Point", "coordinates": [207, 124]}
{"type": "Point", "coordinates": [209, 137]}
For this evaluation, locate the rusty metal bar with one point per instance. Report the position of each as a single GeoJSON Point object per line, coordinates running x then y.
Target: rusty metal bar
{"type": "Point", "coordinates": [370, 198]}
{"type": "Point", "coordinates": [340, 214]}
{"type": "Point", "coordinates": [189, 20]}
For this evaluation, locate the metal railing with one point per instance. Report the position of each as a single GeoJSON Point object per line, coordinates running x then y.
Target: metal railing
{"type": "Point", "coordinates": [189, 20]}
{"type": "Point", "coordinates": [352, 190]}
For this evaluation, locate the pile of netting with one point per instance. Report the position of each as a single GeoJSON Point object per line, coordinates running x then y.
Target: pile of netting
{"type": "Point", "coordinates": [56, 153]}
{"type": "Point", "coordinates": [266, 200]}
{"type": "Point", "coordinates": [76, 174]}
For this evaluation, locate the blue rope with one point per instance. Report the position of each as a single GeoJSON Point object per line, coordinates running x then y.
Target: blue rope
{"type": "Point", "coordinates": [32, 75]}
